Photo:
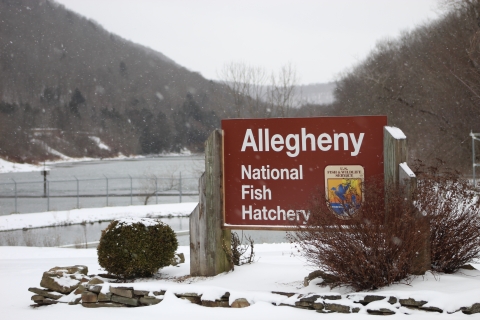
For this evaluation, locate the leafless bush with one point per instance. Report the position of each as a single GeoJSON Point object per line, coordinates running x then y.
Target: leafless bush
{"type": "Point", "coordinates": [52, 240]}
{"type": "Point", "coordinates": [364, 251]}
{"type": "Point", "coordinates": [237, 252]}
{"type": "Point", "coordinates": [150, 185]}
{"type": "Point", "coordinates": [453, 211]}
{"type": "Point", "coordinates": [30, 238]}
{"type": "Point", "coordinates": [9, 239]}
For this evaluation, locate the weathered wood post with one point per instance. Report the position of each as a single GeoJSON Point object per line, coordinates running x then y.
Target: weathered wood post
{"type": "Point", "coordinates": [397, 173]}
{"type": "Point", "coordinates": [208, 241]}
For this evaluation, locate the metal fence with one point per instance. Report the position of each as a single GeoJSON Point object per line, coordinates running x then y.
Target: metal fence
{"type": "Point", "coordinates": [53, 195]}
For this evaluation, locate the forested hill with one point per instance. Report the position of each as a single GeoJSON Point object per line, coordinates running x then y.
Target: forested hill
{"type": "Point", "coordinates": [61, 71]}
{"type": "Point", "coordinates": [428, 83]}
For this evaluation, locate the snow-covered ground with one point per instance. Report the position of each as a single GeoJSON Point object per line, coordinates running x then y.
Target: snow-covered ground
{"type": "Point", "coordinates": [277, 267]}
{"type": "Point", "coordinates": [7, 166]}
{"type": "Point", "coordinates": [76, 216]}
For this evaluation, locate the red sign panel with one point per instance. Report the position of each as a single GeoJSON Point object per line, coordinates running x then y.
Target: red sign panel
{"type": "Point", "coordinates": [272, 166]}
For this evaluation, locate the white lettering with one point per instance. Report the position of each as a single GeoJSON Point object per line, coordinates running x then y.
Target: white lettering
{"type": "Point", "coordinates": [356, 143]}
{"type": "Point", "coordinates": [249, 141]}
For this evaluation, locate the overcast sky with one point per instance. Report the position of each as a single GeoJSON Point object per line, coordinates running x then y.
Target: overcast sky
{"type": "Point", "coordinates": [321, 38]}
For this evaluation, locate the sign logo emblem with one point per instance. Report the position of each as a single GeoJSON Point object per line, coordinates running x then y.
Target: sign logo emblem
{"type": "Point", "coordinates": [343, 189]}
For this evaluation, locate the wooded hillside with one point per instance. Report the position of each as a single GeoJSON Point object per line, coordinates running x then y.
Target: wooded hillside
{"type": "Point", "coordinates": [428, 83]}
{"type": "Point", "coordinates": [60, 70]}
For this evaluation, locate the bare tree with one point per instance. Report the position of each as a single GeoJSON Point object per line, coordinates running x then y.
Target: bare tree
{"type": "Point", "coordinates": [247, 86]}
{"type": "Point", "coordinates": [282, 92]}
{"type": "Point", "coordinates": [257, 95]}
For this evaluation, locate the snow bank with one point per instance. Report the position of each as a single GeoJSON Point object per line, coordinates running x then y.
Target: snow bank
{"type": "Point", "coordinates": [6, 166]}
{"type": "Point", "coordinates": [76, 216]}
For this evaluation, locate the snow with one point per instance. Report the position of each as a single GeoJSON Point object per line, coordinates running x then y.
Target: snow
{"type": "Point", "coordinates": [6, 166]}
{"type": "Point", "coordinates": [99, 143]}
{"type": "Point", "coordinates": [277, 267]}
{"type": "Point", "coordinates": [396, 132]}
{"type": "Point", "coordinates": [77, 216]}
{"type": "Point", "coordinates": [131, 221]}
{"type": "Point", "coordinates": [407, 169]}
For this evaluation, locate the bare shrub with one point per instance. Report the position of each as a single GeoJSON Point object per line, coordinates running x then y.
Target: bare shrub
{"type": "Point", "coordinates": [364, 251]}
{"type": "Point", "coordinates": [30, 238]}
{"type": "Point", "coordinates": [9, 239]}
{"type": "Point", "coordinates": [53, 240]}
{"type": "Point", "coordinates": [453, 210]}
{"type": "Point", "coordinates": [237, 252]}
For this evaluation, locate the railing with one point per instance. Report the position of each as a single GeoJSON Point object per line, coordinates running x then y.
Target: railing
{"type": "Point", "coordinates": [52, 195]}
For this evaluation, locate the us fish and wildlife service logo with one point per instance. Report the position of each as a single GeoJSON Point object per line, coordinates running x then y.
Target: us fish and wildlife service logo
{"type": "Point", "coordinates": [343, 189]}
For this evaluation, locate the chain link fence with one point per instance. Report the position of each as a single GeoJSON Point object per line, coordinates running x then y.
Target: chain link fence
{"type": "Point", "coordinates": [55, 195]}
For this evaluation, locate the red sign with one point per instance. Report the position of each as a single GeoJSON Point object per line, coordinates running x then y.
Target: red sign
{"type": "Point", "coordinates": [272, 166]}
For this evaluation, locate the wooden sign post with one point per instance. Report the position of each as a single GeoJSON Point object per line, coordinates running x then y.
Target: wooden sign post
{"type": "Point", "coordinates": [209, 243]}
{"type": "Point", "coordinates": [397, 173]}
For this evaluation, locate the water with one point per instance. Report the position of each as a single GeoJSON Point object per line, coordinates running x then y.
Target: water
{"type": "Point", "coordinates": [124, 180]}
{"type": "Point", "coordinates": [78, 235]}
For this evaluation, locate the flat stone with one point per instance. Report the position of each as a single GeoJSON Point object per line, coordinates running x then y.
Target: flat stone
{"type": "Point", "coordinates": [47, 302]}
{"type": "Point", "coordinates": [188, 294]}
{"type": "Point", "coordinates": [128, 301]}
{"type": "Point", "coordinates": [370, 298]}
{"type": "Point", "coordinates": [196, 300]}
{"type": "Point", "coordinates": [80, 289]}
{"type": "Point", "coordinates": [337, 308]}
{"type": "Point", "coordinates": [225, 296]}
{"type": "Point", "coordinates": [159, 293]}
{"type": "Point", "coordinates": [149, 301]}
{"type": "Point", "coordinates": [126, 292]}
{"type": "Point", "coordinates": [411, 303]}
{"type": "Point", "coordinates": [70, 270]}
{"type": "Point", "coordinates": [46, 293]}
{"type": "Point", "coordinates": [304, 304]}
{"type": "Point", "coordinates": [37, 298]}
{"type": "Point", "coordinates": [89, 297]}
{"type": "Point", "coordinates": [431, 309]}
{"type": "Point", "coordinates": [318, 306]}
{"type": "Point", "coordinates": [51, 280]}
{"type": "Point", "coordinates": [392, 300]}
{"type": "Point", "coordinates": [327, 278]}
{"type": "Point", "coordinates": [215, 304]}
{"type": "Point", "coordinates": [104, 297]}
{"type": "Point", "coordinates": [96, 281]}
{"type": "Point", "coordinates": [287, 294]}
{"type": "Point", "coordinates": [468, 267]}
{"type": "Point", "coordinates": [332, 297]}
{"type": "Point", "coordinates": [103, 305]}
{"type": "Point", "coordinates": [355, 310]}
{"type": "Point", "coordinates": [177, 259]}
{"type": "Point", "coordinates": [94, 288]}
{"type": "Point", "coordinates": [240, 303]}
{"type": "Point", "coordinates": [380, 311]}
{"type": "Point", "coordinates": [141, 292]}
{"type": "Point", "coordinates": [76, 301]}
{"type": "Point", "coordinates": [309, 299]}
{"type": "Point", "coordinates": [475, 308]}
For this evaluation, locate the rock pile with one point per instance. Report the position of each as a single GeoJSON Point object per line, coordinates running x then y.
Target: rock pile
{"type": "Point", "coordinates": [57, 282]}
{"type": "Point", "coordinates": [72, 285]}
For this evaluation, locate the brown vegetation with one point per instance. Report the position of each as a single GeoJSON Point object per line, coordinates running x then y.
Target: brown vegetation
{"type": "Point", "coordinates": [452, 208]}
{"type": "Point", "coordinates": [364, 251]}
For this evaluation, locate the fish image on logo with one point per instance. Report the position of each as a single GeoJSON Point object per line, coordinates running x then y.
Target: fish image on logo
{"type": "Point", "coordinates": [343, 189]}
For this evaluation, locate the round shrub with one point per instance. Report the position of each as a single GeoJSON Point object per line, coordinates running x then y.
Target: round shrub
{"type": "Point", "coordinates": [136, 247]}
